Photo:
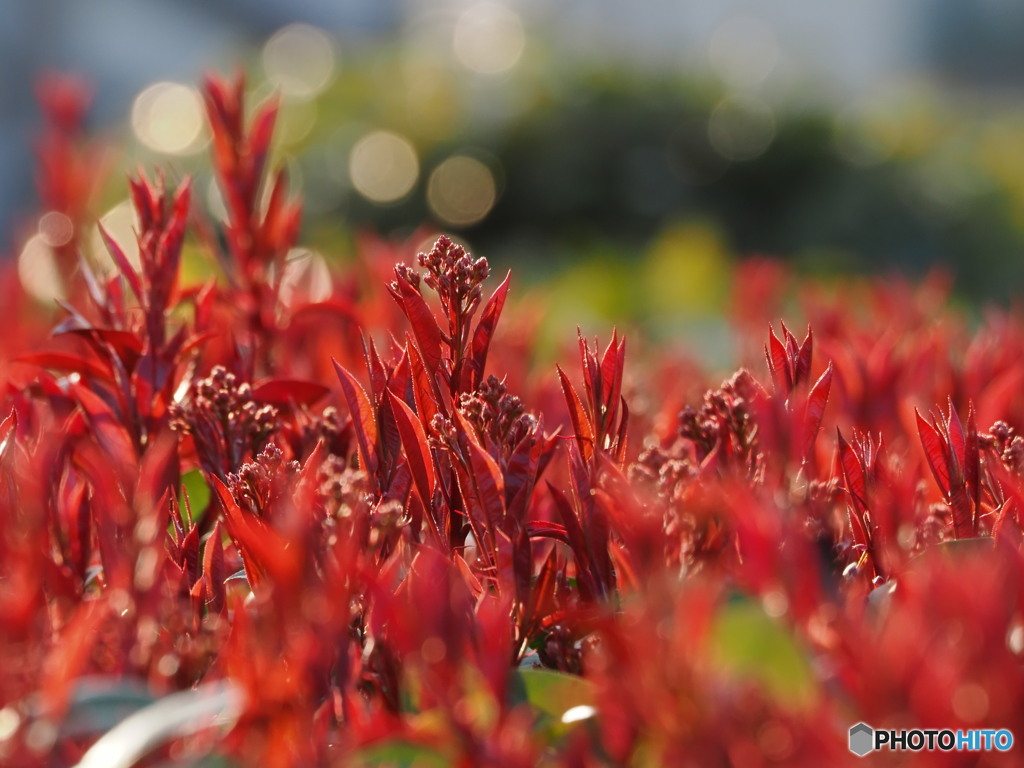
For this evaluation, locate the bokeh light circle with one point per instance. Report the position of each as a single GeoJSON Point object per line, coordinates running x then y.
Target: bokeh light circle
{"type": "Point", "coordinates": [168, 118]}
{"type": "Point", "coordinates": [461, 191]}
{"type": "Point", "coordinates": [299, 60]}
{"type": "Point", "coordinates": [383, 167]}
{"type": "Point", "coordinates": [489, 38]}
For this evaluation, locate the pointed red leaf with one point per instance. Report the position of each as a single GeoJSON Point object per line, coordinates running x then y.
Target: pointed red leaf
{"type": "Point", "coordinates": [621, 439]}
{"type": "Point", "coordinates": [972, 461]}
{"type": "Point", "coordinates": [424, 326]}
{"type": "Point", "coordinates": [378, 375]}
{"type": "Point", "coordinates": [817, 399]}
{"type": "Point", "coordinates": [364, 420]}
{"type": "Point", "coordinates": [802, 369]}
{"type": "Point", "coordinates": [488, 484]}
{"type": "Point", "coordinates": [778, 363]}
{"type": "Point", "coordinates": [213, 570]}
{"type": "Point", "coordinates": [484, 332]}
{"type": "Point", "coordinates": [123, 265]}
{"type": "Point", "coordinates": [853, 475]}
{"type": "Point", "coordinates": [424, 386]}
{"type": "Point", "coordinates": [190, 555]}
{"type": "Point", "coordinates": [957, 441]}
{"type": "Point", "coordinates": [577, 542]}
{"type": "Point", "coordinates": [416, 448]}
{"type": "Point", "coordinates": [580, 420]}
{"type": "Point", "coordinates": [935, 451]}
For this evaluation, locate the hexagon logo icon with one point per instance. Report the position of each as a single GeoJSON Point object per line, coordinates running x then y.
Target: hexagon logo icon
{"type": "Point", "coordinates": [862, 739]}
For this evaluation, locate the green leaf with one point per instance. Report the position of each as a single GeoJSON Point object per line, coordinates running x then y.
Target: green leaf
{"type": "Point", "coordinates": [551, 693]}
{"type": "Point", "coordinates": [750, 645]}
{"type": "Point", "coordinates": [193, 485]}
{"type": "Point", "coordinates": [399, 754]}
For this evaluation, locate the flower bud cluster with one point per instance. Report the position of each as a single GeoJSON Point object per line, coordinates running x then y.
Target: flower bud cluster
{"type": "Point", "coordinates": [225, 421]}
{"type": "Point", "coordinates": [259, 483]}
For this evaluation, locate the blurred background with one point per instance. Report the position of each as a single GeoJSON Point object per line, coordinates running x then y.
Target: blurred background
{"type": "Point", "coordinates": [628, 154]}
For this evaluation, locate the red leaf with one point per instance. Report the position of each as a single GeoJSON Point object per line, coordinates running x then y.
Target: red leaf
{"type": "Point", "coordinates": [475, 587]}
{"type": "Point", "coordinates": [960, 506]}
{"type": "Point", "coordinates": [778, 363]}
{"type": "Point", "coordinates": [817, 398]}
{"type": "Point", "coordinates": [123, 265]}
{"type": "Point", "coordinates": [577, 542]}
{"type": "Point", "coordinates": [935, 452]}
{"type": "Point", "coordinates": [378, 375]}
{"type": "Point", "coordinates": [484, 332]}
{"type": "Point", "coordinates": [612, 363]}
{"type": "Point", "coordinates": [802, 368]}
{"type": "Point", "coordinates": [972, 461]}
{"type": "Point", "coordinates": [580, 420]}
{"type": "Point", "coordinates": [424, 386]}
{"type": "Point", "coordinates": [126, 346]}
{"type": "Point", "coordinates": [591, 370]}
{"type": "Point", "coordinates": [190, 555]}
{"type": "Point", "coordinates": [264, 552]}
{"type": "Point", "coordinates": [286, 392]}
{"type": "Point", "coordinates": [853, 475]}
{"type": "Point", "coordinates": [1006, 511]}
{"type": "Point", "coordinates": [542, 529]}
{"type": "Point", "coordinates": [111, 436]}
{"type": "Point", "coordinates": [417, 451]}
{"type": "Point", "coordinates": [363, 419]}
{"type": "Point", "coordinates": [213, 570]}
{"type": "Point", "coordinates": [488, 484]}
{"type": "Point", "coordinates": [621, 440]}
{"type": "Point", "coordinates": [424, 326]}
{"type": "Point", "coordinates": [65, 361]}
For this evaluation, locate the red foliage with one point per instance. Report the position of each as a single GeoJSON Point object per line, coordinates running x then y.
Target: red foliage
{"type": "Point", "coordinates": [365, 555]}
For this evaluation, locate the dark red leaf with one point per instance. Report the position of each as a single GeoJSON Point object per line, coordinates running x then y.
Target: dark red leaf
{"type": "Point", "coordinates": [213, 570]}
{"type": "Point", "coordinates": [935, 451]}
{"type": "Point", "coordinates": [577, 542]}
{"type": "Point", "coordinates": [853, 475]}
{"type": "Point", "coordinates": [424, 326]}
{"type": "Point", "coordinates": [417, 451]}
{"type": "Point", "coordinates": [542, 529]}
{"type": "Point", "coordinates": [286, 392]}
{"type": "Point", "coordinates": [424, 386]}
{"type": "Point", "coordinates": [972, 461]}
{"type": "Point", "coordinates": [488, 484]}
{"type": "Point", "coordinates": [378, 375]}
{"type": "Point", "coordinates": [817, 399]}
{"type": "Point", "coordinates": [611, 373]}
{"type": "Point", "coordinates": [954, 431]}
{"type": "Point", "coordinates": [802, 366]}
{"type": "Point", "coordinates": [580, 420]}
{"type": "Point", "coordinates": [190, 555]}
{"type": "Point", "coordinates": [106, 427]}
{"type": "Point", "coordinates": [364, 420]}
{"type": "Point", "coordinates": [962, 512]}
{"type": "Point", "coordinates": [778, 363]}
{"type": "Point", "coordinates": [65, 361]}
{"type": "Point", "coordinates": [484, 332]}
